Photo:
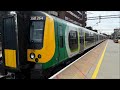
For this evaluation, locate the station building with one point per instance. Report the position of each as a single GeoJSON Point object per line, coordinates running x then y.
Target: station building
{"type": "Point", "coordinates": [116, 33]}
{"type": "Point", "coordinates": [76, 17]}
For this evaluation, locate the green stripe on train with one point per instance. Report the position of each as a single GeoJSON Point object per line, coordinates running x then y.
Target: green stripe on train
{"type": "Point", "coordinates": [56, 59]}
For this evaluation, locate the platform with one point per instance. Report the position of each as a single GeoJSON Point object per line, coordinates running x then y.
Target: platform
{"type": "Point", "coordinates": [102, 62]}
{"type": "Point", "coordinates": [110, 67]}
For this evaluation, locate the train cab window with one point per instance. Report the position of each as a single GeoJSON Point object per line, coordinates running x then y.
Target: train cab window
{"type": "Point", "coordinates": [9, 32]}
{"type": "Point", "coordinates": [73, 40]}
{"type": "Point", "coordinates": [36, 31]}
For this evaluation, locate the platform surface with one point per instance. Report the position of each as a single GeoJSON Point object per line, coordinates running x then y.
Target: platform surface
{"type": "Point", "coordinates": [85, 67]}
{"type": "Point", "coordinates": [110, 67]}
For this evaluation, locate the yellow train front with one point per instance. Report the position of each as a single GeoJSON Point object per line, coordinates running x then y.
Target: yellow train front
{"type": "Point", "coordinates": [41, 48]}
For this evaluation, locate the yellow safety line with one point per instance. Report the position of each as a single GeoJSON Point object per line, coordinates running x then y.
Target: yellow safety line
{"type": "Point", "coordinates": [99, 63]}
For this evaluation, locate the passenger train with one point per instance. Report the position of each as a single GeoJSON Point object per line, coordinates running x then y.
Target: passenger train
{"type": "Point", "coordinates": [36, 41]}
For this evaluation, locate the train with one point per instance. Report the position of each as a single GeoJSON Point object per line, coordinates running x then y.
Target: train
{"type": "Point", "coordinates": [34, 41]}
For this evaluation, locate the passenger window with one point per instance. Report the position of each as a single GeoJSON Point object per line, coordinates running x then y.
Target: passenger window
{"type": "Point", "coordinates": [61, 36]}
{"type": "Point", "coordinates": [73, 40]}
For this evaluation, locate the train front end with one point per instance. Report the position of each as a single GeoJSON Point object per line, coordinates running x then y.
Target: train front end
{"type": "Point", "coordinates": [41, 47]}
{"type": "Point", "coordinates": [14, 41]}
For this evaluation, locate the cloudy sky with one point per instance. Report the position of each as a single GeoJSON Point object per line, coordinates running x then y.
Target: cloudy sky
{"type": "Point", "coordinates": [106, 25]}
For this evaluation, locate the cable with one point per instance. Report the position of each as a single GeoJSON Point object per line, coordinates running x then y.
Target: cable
{"type": "Point", "coordinates": [103, 17]}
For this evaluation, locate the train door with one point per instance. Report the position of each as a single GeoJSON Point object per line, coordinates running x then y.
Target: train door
{"type": "Point", "coordinates": [81, 40]}
{"type": "Point", "coordinates": [10, 42]}
{"type": "Point", "coordinates": [61, 42]}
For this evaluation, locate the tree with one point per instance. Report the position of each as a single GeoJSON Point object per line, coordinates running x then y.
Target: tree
{"type": "Point", "coordinates": [90, 28]}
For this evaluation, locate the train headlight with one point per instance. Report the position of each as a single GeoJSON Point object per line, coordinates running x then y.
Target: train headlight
{"type": "Point", "coordinates": [32, 55]}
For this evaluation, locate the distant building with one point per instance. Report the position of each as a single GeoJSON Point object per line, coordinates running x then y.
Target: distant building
{"type": "Point", "coordinates": [116, 33]}
{"type": "Point", "coordinates": [90, 28]}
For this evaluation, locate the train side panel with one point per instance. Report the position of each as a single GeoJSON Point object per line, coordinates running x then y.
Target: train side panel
{"type": "Point", "coordinates": [60, 50]}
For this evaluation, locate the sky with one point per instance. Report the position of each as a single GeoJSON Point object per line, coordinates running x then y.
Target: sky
{"type": "Point", "coordinates": [106, 25]}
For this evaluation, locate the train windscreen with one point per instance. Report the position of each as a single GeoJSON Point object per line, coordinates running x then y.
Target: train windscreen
{"type": "Point", "coordinates": [36, 31]}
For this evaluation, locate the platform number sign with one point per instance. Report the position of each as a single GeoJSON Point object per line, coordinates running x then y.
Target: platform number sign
{"type": "Point", "coordinates": [37, 18]}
